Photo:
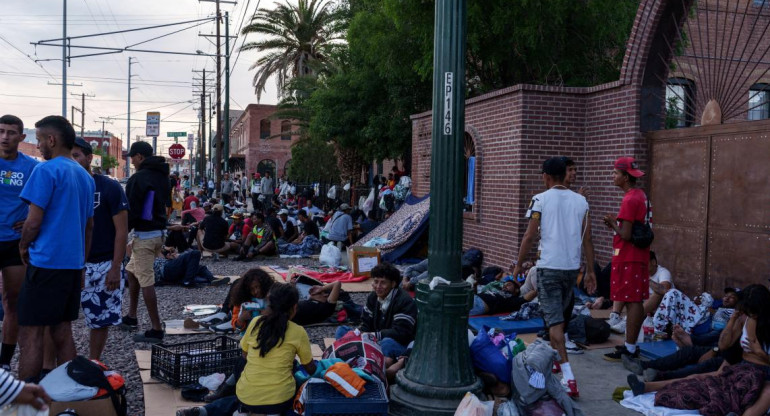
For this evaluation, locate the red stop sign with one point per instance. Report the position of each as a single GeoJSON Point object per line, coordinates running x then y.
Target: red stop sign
{"type": "Point", "coordinates": [176, 151]}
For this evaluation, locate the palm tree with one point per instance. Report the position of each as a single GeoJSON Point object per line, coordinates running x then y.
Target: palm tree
{"type": "Point", "coordinates": [294, 37]}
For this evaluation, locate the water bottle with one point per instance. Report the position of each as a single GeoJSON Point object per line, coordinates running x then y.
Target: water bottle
{"type": "Point", "coordinates": [648, 328]}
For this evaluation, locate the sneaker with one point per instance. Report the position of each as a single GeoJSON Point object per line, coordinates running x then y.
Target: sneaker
{"type": "Point", "coordinates": [193, 411]}
{"type": "Point", "coordinates": [219, 282]}
{"type": "Point", "coordinates": [223, 390]}
{"type": "Point", "coordinates": [150, 336]}
{"type": "Point", "coordinates": [570, 386]}
{"type": "Point", "coordinates": [556, 369]}
{"type": "Point", "coordinates": [573, 348]}
{"type": "Point", "coordinates": [637, 386]}
{"type": "Point", "coordinates": [129, 323]}
{"type": "Point", "coordinates": [223, 328]}
{"type": "Point", "coordinates": [614, 319]}
{"type": "Point", "coordinates": [619, 328]}
{"type": "Point", "coordinates": [633, 365]}
{"type": "Point", "coordinates": [618, 354]}
{"type": "Point", "coordinates": [650, 374]}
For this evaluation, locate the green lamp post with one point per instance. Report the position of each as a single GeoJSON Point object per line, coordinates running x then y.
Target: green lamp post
{"type": "Point", "coordinates": [439, 372]}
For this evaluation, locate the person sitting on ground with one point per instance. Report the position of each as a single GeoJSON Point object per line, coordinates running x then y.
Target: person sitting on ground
{"type": "Point", "coordinates": [238, 230]}
{"type": "Point", "coordinates": [414, 274]}
{"type": "Point", "coordinates": [252, 288]}
{"type": "Point", "coordinates": [173, 268]}
{"type": "Point", "coordinates": [212, 233]}
{"type": "Point", "coordinates": [308, 227]}
{"type": "Point", "coordinates": [312, 210]}
{"type": "Point", "coordinates": [492, 302]}
{"type": "Point", "coordinates": [367, 225]}
{"type": "Point", "coordinates": [270, 344]}
{"type": "Point", "coordinates": [189, 199]}
{"type": "Point", "coordinates": [339, 229]}
{"type": "Point", "coordinates": [271, 219]}
{"type": "Point", "coordinates": [320, 306]}
{"type": "Point", "coordinates": [694, 359]}
{"type": "Point", "coordinates": [676, 308]}
{"type": "Point", "coordinates": [754, 339]}
{"type": "Point", "coordinates": [390, 313]}
{"type": "Point", "coordinates": [261, 241]}
{"type": "Point", "coordinates": [289, 230]}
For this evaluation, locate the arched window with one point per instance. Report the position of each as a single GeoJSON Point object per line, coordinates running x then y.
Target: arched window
{"type": "Point", "coordinates": [759, 102]}
{"type": "Point", "coordinates": [266, 165]}
{"type": "Point", "coordinates": [286, 168]}
{"type": "Point", "coordinates": [469, 152]}
{"type": "Point", "coordinates": [680, 102]}
{"type": "Point", "coordinates": [264, 129]}
{"type": "Point", "coordinates": [285, 130]}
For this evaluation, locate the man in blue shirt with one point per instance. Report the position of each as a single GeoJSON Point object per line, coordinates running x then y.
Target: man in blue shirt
{"type": "Point", "coordinates": [102, 295]}
{"type": "Point", "coordinates": [340, 227]}
{"type": "Point", "coordinates": [15, 169]}
{"type": "Point", "coordinates": [54, 241]}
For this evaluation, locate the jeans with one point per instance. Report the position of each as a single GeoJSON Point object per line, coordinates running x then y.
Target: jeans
{"type": "Point", "coordinates": [479, 307]}
{"type": "Point", "coordinates": [709, 339]}
{"type": "Point", "coordinates": [187, 269]}
{"type": "Point", "coordinates": [390, 347]}
{"type": "Point", "coordinates": [417, 272]}
{"type": "Point", "coordinates": [222, 407]}
{"type": "Point", "coordinates": [683, 363]}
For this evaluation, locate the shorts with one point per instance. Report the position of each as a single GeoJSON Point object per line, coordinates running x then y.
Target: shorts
{"type": "Point", "coordinates": [9, 254]}
{"type": "Point", "coordinates": [143, 253]}
{"type": "Point", "coordinates": [101, 307]}
{"type": "Point", "coordinates": [555, 294]}
{"type": "Point", "coordinates": [629, 282]}
{"type": "Point", "coordinates": [49, 296]}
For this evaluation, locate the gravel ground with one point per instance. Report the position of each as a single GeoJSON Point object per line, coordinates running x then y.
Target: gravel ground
{"type": "Point", "coordinates": [119, 352]}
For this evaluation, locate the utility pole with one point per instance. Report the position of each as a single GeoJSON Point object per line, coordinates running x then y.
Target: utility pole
{"type": "Point", "coordinates": [202, 88]}
{"type": "Point", "coordinates": [442, 340]}
{"type": "Point", "coordinates": [82, 111]}
{"type": "Point", "coordinates": [64, 62]}
{"type": "Point", "coordinates": [128, 119]}
{"type": "Point", "coordinates": [218, 162]}
{"type": "Point", "coordinates": [226, 115]}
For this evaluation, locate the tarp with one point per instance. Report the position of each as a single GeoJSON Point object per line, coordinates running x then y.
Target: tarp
{"type": "Point", "coordinates": [402, 229]}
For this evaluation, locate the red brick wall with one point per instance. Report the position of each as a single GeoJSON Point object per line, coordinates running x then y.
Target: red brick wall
{"type": "Point", "coordinates": [255, 149]}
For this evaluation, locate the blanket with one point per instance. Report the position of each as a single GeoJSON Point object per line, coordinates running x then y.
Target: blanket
{"type": "Point", "coordinates": [324, 274]}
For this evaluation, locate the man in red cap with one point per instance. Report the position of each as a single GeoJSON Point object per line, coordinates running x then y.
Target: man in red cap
{"type": "Point", "coordinates": [629, 279]}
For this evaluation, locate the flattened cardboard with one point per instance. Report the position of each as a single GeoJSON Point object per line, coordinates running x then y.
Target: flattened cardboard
{"type": "Point", "coordinates": [363, 259]}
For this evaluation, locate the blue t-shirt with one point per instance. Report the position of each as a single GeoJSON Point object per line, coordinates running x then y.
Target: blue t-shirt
{"type": "Point", "coordinates": [109, 200]}
{"type": "Point", "coordinates": [14, 174]}
{"type": "Point", "coordinates": [65, 192]}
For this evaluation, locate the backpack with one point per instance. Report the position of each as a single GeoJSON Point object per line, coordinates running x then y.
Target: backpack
{"type": "Point", "coordinates": [89, 373]}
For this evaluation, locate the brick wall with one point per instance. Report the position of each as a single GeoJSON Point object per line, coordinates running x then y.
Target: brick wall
{"type": "Point", "coordinates": [252, 147]}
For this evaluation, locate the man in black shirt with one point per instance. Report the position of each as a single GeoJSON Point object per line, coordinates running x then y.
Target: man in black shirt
{"type": "Point", "coordinates": [308, 227]}
{"type": "Point", "coordinates": [289, 230]}
{"type": "Point", "coordinates": [494, 302]}
{"type": "Point", "coordinates": [321, 304]}
{"type": "Point", "coordinates": [212, 235]}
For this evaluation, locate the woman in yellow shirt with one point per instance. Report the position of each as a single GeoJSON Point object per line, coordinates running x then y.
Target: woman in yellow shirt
{"type": "Point", "coordinates": [270, 344]}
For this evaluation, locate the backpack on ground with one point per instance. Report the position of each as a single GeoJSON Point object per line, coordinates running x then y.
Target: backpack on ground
{"type": "Point", "coordinates": [89, 373]}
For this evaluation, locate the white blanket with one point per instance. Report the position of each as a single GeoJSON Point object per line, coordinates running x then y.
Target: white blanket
{"type": "Point", "coordinates": [645, 404]}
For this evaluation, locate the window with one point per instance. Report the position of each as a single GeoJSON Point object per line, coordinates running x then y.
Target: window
{"type": "Point", "coordinates": [761, 3]}
{"type": "Point", "coordinates": [286, 168]}
{"type": "Point", "coordinates": [285, 130]}
{"type": "Point", "coordinates": [264, 129]}
{"type": "Point", "coordinates": [469, 152]}
{"type": "Point", "coordinates": [680, 103]}
{"type": "Point", "coordinates": [266, 165]}
{"type": "Point", "coordinates": [759, 105]}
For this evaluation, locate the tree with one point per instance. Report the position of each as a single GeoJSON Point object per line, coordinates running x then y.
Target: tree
{"type": "Point", "coordinates": [108, 162]}
{"type": "Point", "coordinates": [295, 37]}
{"type": "Point", "coordinates": [313, 160]}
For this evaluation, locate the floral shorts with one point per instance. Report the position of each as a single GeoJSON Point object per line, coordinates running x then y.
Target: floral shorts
{"type": "Point", "coordinates": [101, 307]}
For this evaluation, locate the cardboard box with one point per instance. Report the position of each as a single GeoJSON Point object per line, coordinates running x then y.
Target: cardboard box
{"type": "Point", "coordinates": [98, 407]}
{"type": "Point", "coordinates": [363, 259]}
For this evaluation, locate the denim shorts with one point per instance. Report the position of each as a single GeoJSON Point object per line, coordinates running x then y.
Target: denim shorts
{"type": "Point", "coordinates": [555, 294]}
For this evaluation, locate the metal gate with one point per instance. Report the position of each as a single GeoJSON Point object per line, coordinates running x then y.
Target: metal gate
{"type": "Point", "coordinates": [710, 189]}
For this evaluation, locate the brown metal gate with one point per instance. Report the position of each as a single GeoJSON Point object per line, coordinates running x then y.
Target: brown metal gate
{"type": "Point", "coordinates": [710, 189]}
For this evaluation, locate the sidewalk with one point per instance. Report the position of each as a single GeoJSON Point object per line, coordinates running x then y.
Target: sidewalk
{"type": "Point", "coordinates": [597, 379]}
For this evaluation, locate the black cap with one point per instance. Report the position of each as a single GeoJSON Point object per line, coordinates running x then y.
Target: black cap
{"type": "Point", "coordinates": [140, 148]}
{"type": "Point", "coordinates": [732, 290]}
{"type": "Point", "coordinates": [87, 149]}
{"type": "Point", "coordinates": [554, 166]}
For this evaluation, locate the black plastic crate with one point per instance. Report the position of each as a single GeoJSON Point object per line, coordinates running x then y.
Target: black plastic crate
{"type": "Point", "coordinates": [323, 399]}
{"type": "Point", "coordinates": [181, 364]}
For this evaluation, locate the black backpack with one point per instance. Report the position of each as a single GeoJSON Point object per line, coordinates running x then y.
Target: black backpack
{"type": "Point", "coordinates": [88, 373]}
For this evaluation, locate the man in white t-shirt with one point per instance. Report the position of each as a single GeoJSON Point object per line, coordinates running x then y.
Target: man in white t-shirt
{"type": "Point", "coordinates": [562, 218]}
{"type": "Point", "coordinates": [660, 283]}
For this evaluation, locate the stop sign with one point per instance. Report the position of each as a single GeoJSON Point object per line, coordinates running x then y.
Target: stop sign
{"type": "Point", "coordinates": [176, 151]}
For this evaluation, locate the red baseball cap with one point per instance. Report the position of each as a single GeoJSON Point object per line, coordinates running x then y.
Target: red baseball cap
{"type": "Point", "coordinates": [629, 165]}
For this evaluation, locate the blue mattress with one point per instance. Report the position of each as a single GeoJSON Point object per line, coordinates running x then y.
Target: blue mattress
{"type": "Point", "coordinates": [657, 349]}
{"type": "Point", "coordinates": [529, 326]}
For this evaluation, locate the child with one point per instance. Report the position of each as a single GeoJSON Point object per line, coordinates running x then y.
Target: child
{"type": "Point", "coordinates": [270, 344]}
{"type": "Point", "coordinates": [251, 289]}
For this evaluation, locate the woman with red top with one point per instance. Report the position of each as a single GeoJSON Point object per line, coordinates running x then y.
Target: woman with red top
{"type": "Point", "coordinates": [629, 279]}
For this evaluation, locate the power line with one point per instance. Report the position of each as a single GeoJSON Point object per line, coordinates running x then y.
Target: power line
{"type": "Point", "coordinates": [95, 99]}
{"type": "Point", "coordinates": [83, 77]}
{"type": "Point", "coordinates": [30, 58]}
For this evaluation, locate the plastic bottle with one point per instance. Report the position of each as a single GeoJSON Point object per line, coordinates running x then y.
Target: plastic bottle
{"type": "Point", "coordinates": [648, 328]}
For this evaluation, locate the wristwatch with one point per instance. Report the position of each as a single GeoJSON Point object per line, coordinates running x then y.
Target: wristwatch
{"type": "Point", "coordinates": [716, 350]}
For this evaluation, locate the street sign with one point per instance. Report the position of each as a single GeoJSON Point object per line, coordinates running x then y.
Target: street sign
{"type": "Point", "coordinates": [190, 138]}
{"type": "Point", "coordinates": [176, 134]}
{"type": "Point", "coordinates": [176, 151]}
{"type": "Point", "coordinates": [153, 124]}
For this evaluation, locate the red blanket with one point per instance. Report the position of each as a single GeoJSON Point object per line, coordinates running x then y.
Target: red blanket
{"type": "Point", "coordinates": [325, 275]}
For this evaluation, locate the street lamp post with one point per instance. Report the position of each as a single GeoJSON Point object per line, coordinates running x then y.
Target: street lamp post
{"type": "Point", "coordinates": [439, 372]}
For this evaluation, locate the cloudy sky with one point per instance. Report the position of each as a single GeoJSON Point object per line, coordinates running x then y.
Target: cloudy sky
{"type": "Point", "coordinates": [162, 83]}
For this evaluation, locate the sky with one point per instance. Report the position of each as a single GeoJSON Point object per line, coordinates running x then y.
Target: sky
{"type": "Point", "coordinates": [162, 82]}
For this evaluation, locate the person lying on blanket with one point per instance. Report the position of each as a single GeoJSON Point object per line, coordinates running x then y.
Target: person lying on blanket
{"type": "Point", "coordinates": [320, 305]}
{"type": "Point", "coordinates": [498, 301]}
{"type": "Point", "coordinates": [390, 313]}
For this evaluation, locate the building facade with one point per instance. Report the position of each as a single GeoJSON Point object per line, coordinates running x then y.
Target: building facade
{"type": "Point", "coordinates": [259, 143]}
